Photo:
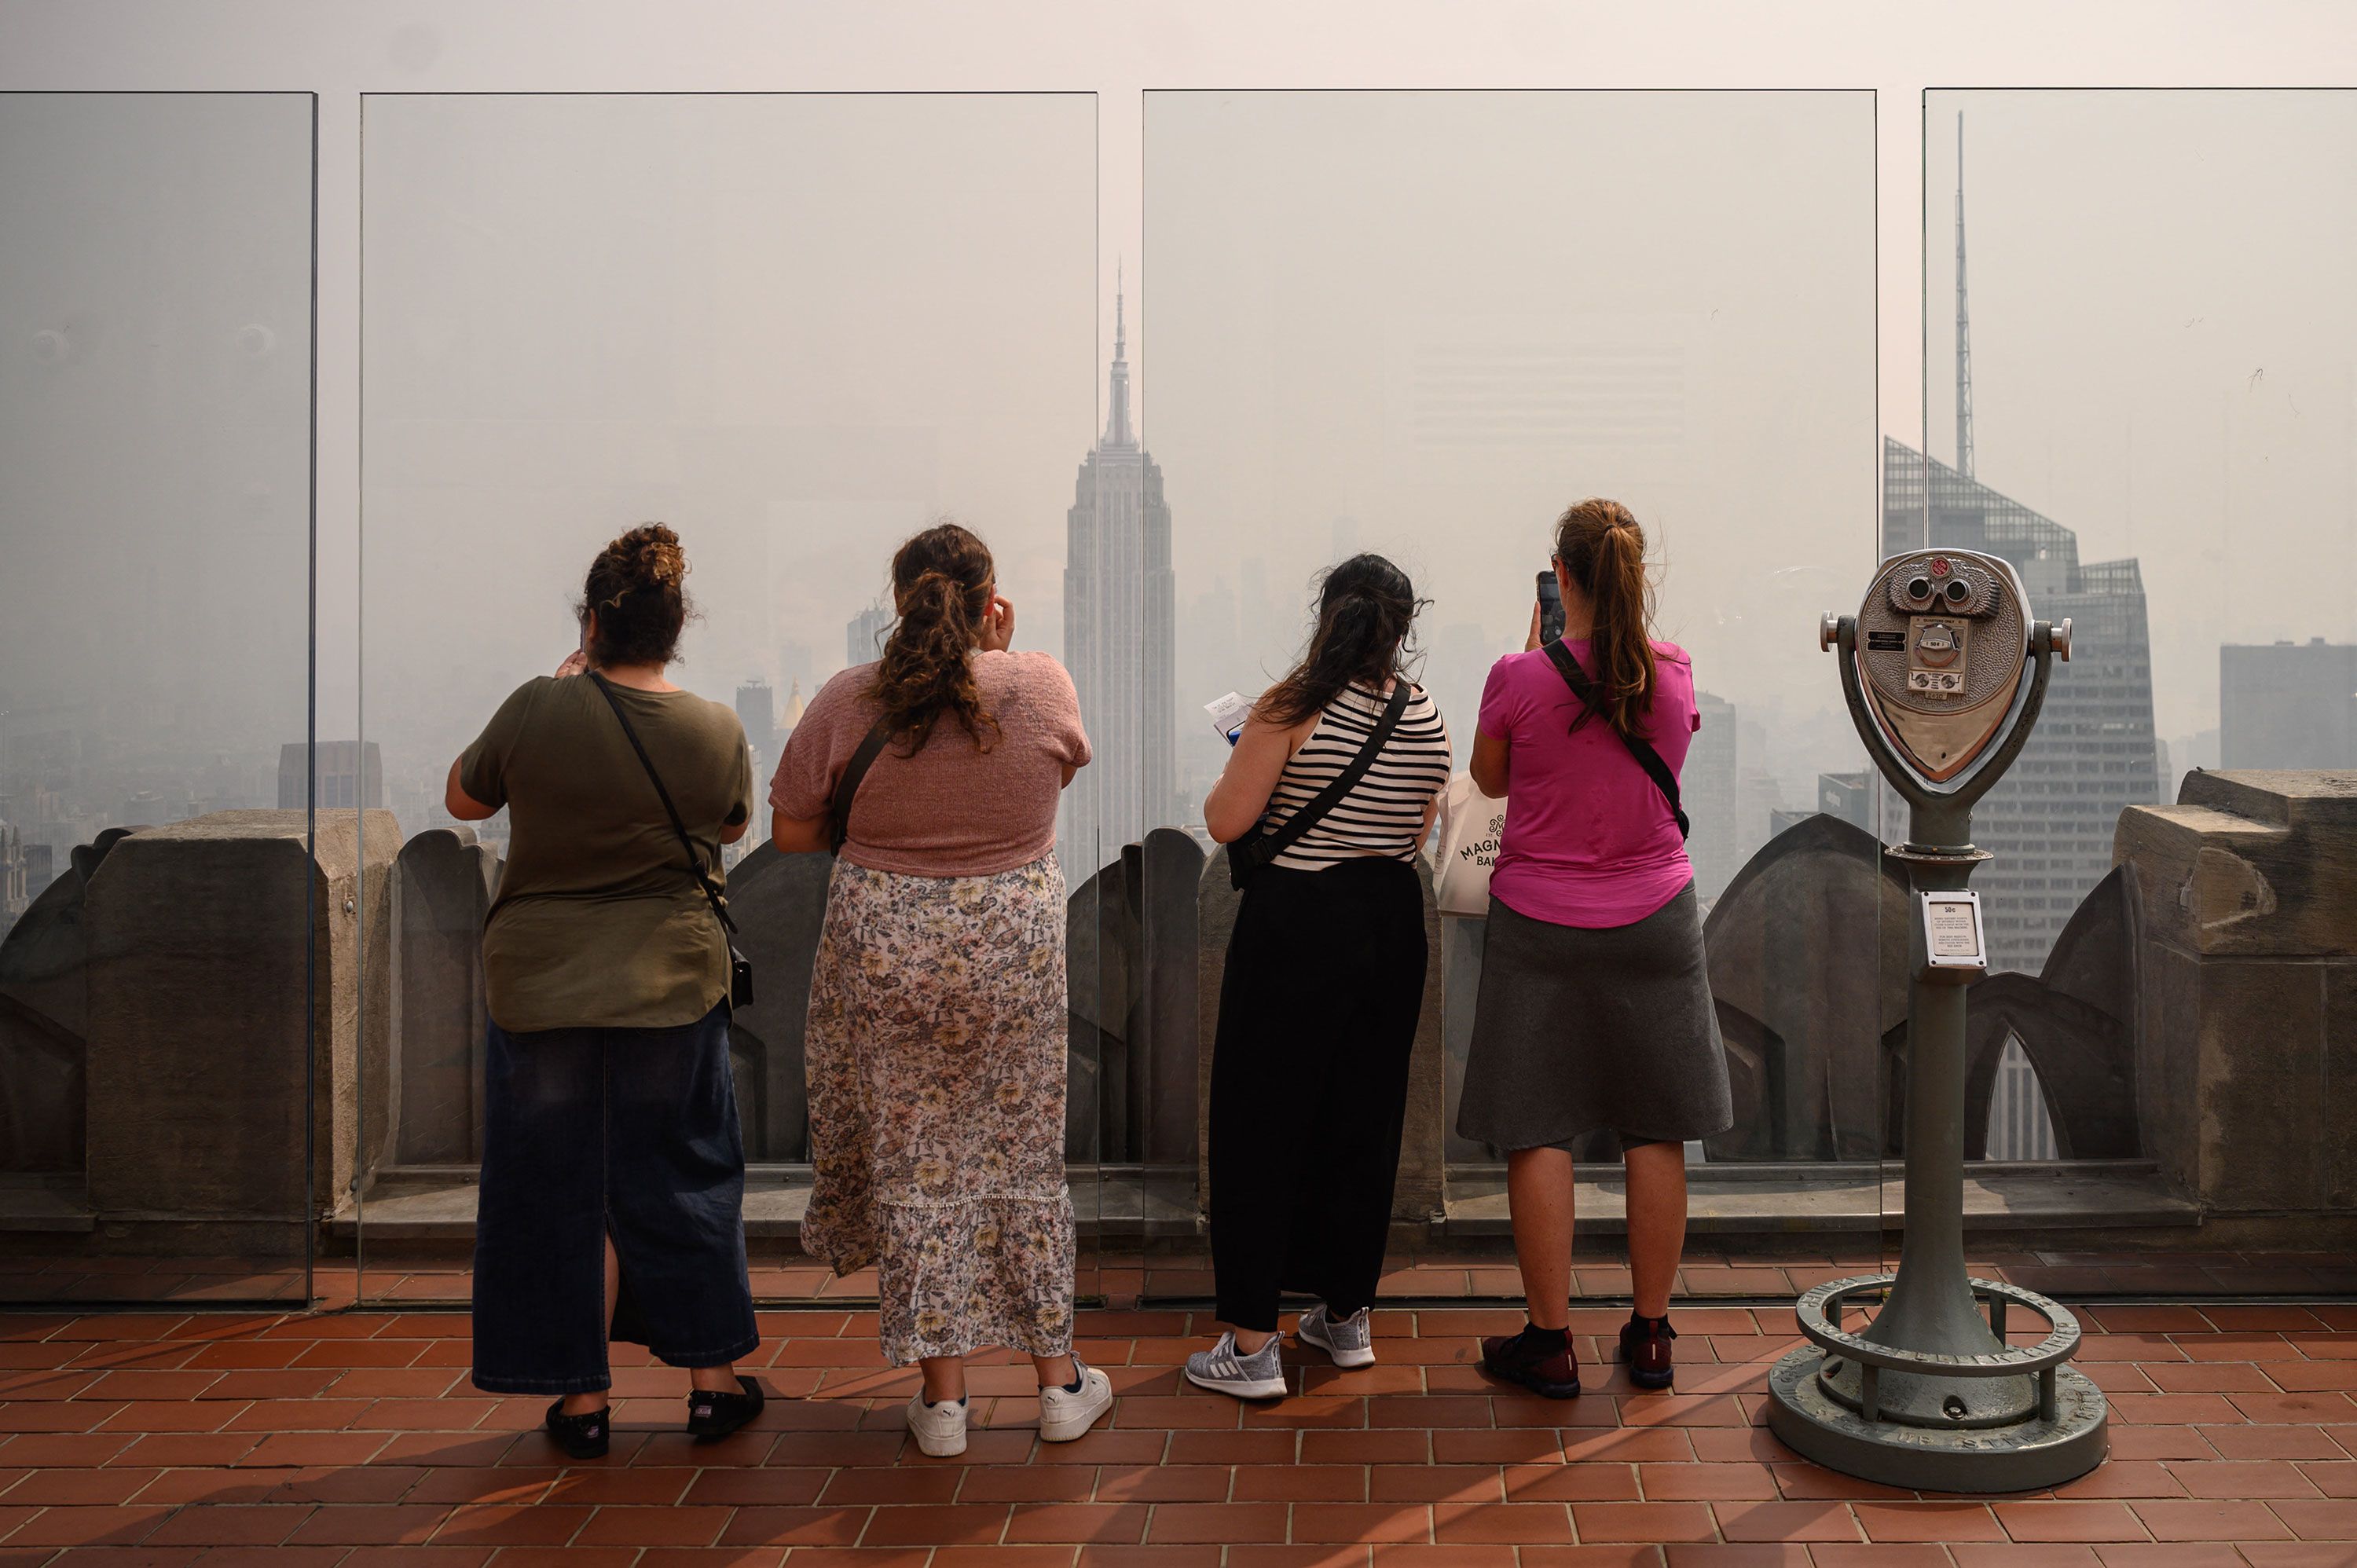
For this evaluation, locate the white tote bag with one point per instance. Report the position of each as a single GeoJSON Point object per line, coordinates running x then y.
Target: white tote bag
{"type": "Point", "coordinates": [1464, 847]}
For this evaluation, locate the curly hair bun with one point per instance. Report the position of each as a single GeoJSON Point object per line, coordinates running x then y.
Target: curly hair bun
{"type": "Point", "coordinates": [656, 557]}
{"type": "Point", "coordinates": [637, 590]}
{"type": "Point", "coordinates": [941, 586]}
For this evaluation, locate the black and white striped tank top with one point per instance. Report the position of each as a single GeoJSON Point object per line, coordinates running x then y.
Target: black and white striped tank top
{"type": "Point", "coordinates": [1384, 811]}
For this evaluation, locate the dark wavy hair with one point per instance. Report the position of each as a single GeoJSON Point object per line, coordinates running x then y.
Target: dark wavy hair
{"type": "Point", "coordinates": [941, 582]}
{"type": "Point", "coordinates": [638, 589]}
{"type": "Point", "coordinates": [1603, 549]}
{"type": "Point", "coordinates": [1366, 610]}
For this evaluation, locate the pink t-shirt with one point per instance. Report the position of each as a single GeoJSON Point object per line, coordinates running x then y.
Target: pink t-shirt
{"type": "Point", "coordinates": [951, 810]}
{"type": "Point", "coordinates": [1589, 840]}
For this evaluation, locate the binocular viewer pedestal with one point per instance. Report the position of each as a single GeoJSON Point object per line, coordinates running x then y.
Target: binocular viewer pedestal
{"type": "Point", "coordinates": [1943, 672]}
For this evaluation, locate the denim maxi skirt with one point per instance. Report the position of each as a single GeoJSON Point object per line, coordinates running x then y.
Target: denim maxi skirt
{"type": "Point", "coordinates": [589, 1134]}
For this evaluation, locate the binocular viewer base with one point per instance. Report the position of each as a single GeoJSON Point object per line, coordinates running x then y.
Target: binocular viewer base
{"type": "Point", "coordinates": [1977, 1416]}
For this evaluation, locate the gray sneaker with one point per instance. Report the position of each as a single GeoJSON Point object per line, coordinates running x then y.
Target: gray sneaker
{"type": "Point", "coordinates": [1260, 1376]}
{"type": "Point", "coordinates": [1350, 1341]}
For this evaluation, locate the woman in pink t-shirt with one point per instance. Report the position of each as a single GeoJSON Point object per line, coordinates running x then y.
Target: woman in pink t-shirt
{"type": "Point", "coordinates": [938, 1010]}
{"type": "Point", "coordinates": [1595, 1013]}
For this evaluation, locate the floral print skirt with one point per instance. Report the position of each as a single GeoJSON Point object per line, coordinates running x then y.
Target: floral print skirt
{"type": "Point", "coordinates": [935, 1052]}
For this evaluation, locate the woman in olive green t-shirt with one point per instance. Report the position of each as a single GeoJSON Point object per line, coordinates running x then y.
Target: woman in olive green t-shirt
{"type": "Point", "coordinates": [613, 1180]}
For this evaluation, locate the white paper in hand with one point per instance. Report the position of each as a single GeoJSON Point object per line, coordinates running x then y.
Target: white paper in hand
{"type": "Point", "coordinates": [1228, 716]}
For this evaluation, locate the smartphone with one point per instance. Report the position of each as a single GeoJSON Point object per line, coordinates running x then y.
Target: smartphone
{"type": "Point", "coordinates": [1550, 608]}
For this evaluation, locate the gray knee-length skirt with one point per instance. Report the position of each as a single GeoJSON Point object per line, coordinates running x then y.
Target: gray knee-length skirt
{"type": "Point", "coordinates": [1581, 1028]}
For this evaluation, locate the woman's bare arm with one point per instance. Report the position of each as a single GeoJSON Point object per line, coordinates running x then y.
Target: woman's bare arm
{"type": "Point", "coordinates": [460, 804]}
{"type": "Point", "coordinates": [799, 836]}
{"type": "Point", "coordinates": [1239, 799]}
{"type": "Point", "coordinates": [1491, 765]}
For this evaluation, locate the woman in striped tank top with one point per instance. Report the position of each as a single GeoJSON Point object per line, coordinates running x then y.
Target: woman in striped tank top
{"type": "Point", "coordinates": [1324, 982]}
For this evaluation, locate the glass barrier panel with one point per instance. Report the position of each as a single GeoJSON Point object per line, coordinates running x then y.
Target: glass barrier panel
{"type": "Point", "coordinates": [1422, 324]}
{"type": "Point", "coordinates": [2137, 392]}
{"type": "Point", "coordinates": [797, 328]}
{"type": "Point", "coordinates": [179, 1035]}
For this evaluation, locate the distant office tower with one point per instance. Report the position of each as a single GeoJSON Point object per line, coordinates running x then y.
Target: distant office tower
{"type": "Point", "coordinates": [2293, 704]}
{"type": "Point", "coordinates": [1849, 796]}
{"type": "Point", "coordinates": [1708, 790]}
{"type": "Point", "coordinates": [795, 706]}
{"type": "Point", "coordinates": [15, 891]}
{"type": "Point", "coordinates": [2050, 819]}
{"type": "Point", "coordinates": [1120, 639]}
{"type": "Point", "coordinates": [342, 786]}
{"type": "Point", "coordinates": [863, 639]}
{"type": "Point", "coordinates": [757, 709]}
{"type": "Point", "coordinates": [1756, 797]}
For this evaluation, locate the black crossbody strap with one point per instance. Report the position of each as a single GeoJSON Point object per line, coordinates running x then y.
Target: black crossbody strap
{"type": "Point", "coordinates": [1256, 852]}
{"type": "Point", "coordinates": [854, 771]}
{"type": "Point", "coordinates": [1639, 747]}
{"type": "Point", "coordinates": [694, 866]}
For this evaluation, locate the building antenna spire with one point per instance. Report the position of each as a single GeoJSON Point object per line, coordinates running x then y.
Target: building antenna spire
{"type": "Point", "coordinates": [1963, 324]}
{"type": "Point", "coordinates": [1118, 431]}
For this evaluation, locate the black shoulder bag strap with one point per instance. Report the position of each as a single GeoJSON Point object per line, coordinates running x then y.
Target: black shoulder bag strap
{"type": "Point", "coordinates": [1639, 747]}
{"type": "Point", "coordinates": [1248, 855]}
{"type": "Point", "coordinates": [854, 771]}
{"type": "Point", "coordinates": [741, 967]}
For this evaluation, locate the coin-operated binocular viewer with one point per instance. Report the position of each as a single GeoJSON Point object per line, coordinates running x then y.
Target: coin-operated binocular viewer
{"type": "Point", "coordinates": [1944, 671]}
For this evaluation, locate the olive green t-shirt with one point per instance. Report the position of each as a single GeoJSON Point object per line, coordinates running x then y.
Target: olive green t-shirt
{"type": "Point", "coordinates": [597, 923]}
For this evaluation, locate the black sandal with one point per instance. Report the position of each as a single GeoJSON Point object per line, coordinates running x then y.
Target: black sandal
{"type": "Point", "coordinates": [583, 1436]}
{"type": "Point", "coordinates": [713, 1414]}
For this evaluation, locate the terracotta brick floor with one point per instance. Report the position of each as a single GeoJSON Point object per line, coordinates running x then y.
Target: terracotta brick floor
{"type": "Point", "coordinates": [165, 1437]}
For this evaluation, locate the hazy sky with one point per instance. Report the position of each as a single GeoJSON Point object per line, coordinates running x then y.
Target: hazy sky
{"type": "Point", "coordinates": [2137, 262]}
{"type": "Point", "coordinates": [1443, 316]}
{"type": "Point", "coordinates": [796, 328]}
{"type": "Point", "coordinates": [155, 416]}
{"type": "Point", "coordinates": [2164, 349]}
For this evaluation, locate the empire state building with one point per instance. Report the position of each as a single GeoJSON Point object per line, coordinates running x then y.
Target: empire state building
{"type": "Point", "coordinates": [1119, 639]}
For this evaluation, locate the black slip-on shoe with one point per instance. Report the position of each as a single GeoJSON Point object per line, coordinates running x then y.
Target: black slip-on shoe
{"type": "Point", "coordinates": [583, 1436]}
{"type": "Point", "coordinates": [713, 1413]}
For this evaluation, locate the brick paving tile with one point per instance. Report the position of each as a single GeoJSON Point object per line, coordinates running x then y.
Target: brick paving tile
{"type": "Point", "coordinates": [2295, 1554]}
{"type": "Point", "coordinates": [1332, 1522]}
{"type": "Point", "coordinates": [1607, 1523]}
{"type": "Point", "coordinates": [2268, 1443]}
{"type": "Point", "coordinates": [2047, 1554]}
{"type": "Point", "coordinates": [1923, 1521]}
{"type": "Point", "coordinates": [1106, 1523]}
{"type": "Point", "coordinates": [2173, 1554]}
{"type": "Point", "coordinates": [1879, 1554]}
{"type": "Point", "coordinates": [2069, 1521]}
{"type": "Point", "coordinates": [2333, 1520]}
{"type": "Point", "coordinates": [2205, 1519]}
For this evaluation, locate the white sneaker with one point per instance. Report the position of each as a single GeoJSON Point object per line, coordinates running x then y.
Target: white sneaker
{"type": "Point", "coordinates": [1259, 1376]}
{"type": "Point", "coordinates": [1350, 1341]}
{"type": "Point", "coordinates": [939, 1429]}
{"type": "Point", "coordinates": [1064, 1415]}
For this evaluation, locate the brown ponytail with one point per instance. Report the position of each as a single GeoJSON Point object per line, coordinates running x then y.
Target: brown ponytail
{"type": "Point", "coordinates": [941, 582]}
{"type": "Point", "coordinates": [1603, 550]}
{"type": "Point", "coordinates": [638, 590]}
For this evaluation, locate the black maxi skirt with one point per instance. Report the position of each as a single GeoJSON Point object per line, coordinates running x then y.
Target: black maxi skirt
{"type": "Point", "coordinates": [589, 1134]}
{"type": "Point", "coordinates": [1318, 1013]}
